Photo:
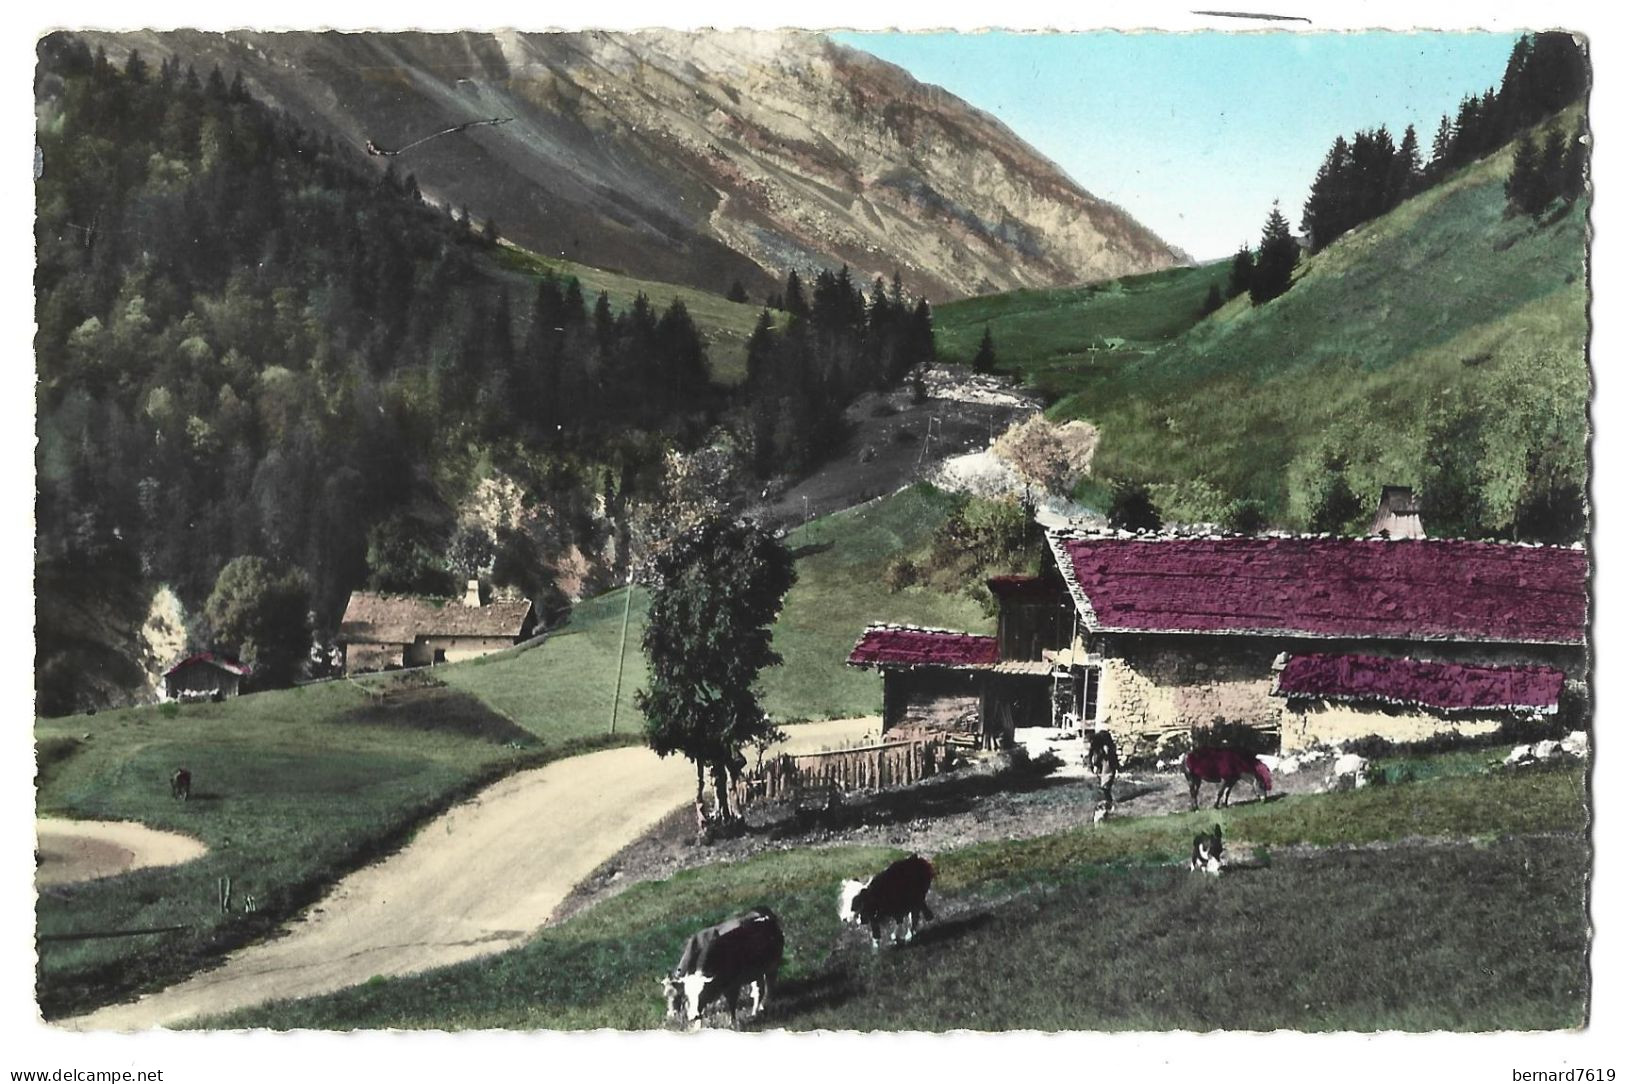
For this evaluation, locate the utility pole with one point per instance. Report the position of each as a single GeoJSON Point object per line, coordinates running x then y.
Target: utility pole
{"type": "Point", "coordinates": [620, 664]}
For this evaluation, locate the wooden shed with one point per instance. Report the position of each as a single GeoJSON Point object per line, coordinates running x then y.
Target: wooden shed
{"type": "Point", "coordinates": [204, 676]}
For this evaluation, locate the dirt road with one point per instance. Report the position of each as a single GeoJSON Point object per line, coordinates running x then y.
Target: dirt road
{"type": "Point", "coordinates": [480, 879]}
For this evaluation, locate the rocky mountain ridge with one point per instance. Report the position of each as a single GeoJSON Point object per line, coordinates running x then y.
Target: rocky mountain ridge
{"type": "Point", "coordinates": [695, 158]}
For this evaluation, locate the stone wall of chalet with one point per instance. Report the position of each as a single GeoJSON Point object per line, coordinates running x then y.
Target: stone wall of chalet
{"type": "Point", "coordinates": [1156, 686]}
{"type": "Point", "coordinates": [1320, 722]}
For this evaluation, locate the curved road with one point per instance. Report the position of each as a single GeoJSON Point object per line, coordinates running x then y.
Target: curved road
{"type": "Point", "coordinates": [481, 878]}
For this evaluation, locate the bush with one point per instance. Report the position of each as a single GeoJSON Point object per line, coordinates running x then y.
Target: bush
{"type": "Point", "coordinates": [902, 572]}
{"type": "Point", "coordinates": [1132, 508]}
{"type": "Point", "coordinates": [1023, 765]}
{"type": "Point", "coordinates": [169, 709]}
{"type": "Point", "coordinates": [1245, 516]}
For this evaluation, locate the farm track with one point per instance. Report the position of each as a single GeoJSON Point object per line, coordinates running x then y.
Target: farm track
{"type": "Point", "coordinates": [480, 879]}
{"type": "Point", "coordinates": [73, 850]}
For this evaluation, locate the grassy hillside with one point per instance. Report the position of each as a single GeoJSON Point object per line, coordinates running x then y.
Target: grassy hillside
{"type": "Point", "coordinates": [1489, 938]}
{"type": "Point", "coordinates": [727, 325]}
{"type": "Point", "coordinates": [1064, 341]}
{"type": "Point", "coordinates": [843, 558]}
{"type": "Point", "coordinates": [290, 790]}
{"type": "Point", "coordinates": [566, 685]}
{"type": "Point", "coordinates": [1444, 341]}
{"type": "Point", "coordinates": [296, 787]}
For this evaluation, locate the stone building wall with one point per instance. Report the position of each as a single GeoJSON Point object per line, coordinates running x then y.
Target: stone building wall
{"type": "Point", "coordinates": [1156, 686]}
{"type": "Point", "coordinates": [1311, 723]}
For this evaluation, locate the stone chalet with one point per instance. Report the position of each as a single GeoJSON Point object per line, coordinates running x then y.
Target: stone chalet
{"type": "Point", "coordinates": [1313, 639]}
{"type": "Point", "coordinates": [386, 632]}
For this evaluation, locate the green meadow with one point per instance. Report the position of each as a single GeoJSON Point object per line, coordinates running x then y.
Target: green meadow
{"type": "Point", "coordinates": [290, 791]}
{"type": "Point", "coordinates": [1481, 925]}
{"type": "Point", "coordinates": [1443, 306]}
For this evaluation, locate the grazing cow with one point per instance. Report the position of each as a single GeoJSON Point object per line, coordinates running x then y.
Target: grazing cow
{"type": "Point", "coordinates": [720, 961]}
{"type": "Point", "coordinates": [1224, 767]}
{"type": "Point", "coordinates": [896, 894]}
{"type": "Point", "coordinates": [1207, 852]}
{"type": "Point", "coordinates": [180, 784]}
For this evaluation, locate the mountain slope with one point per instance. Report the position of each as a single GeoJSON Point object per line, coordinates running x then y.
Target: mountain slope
{"type": "Point", "coordinates": [1442, 345]}
{"type": "Point", "coordinates": [696, 158]}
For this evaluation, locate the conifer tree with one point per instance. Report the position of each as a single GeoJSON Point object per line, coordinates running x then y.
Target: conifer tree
{"type": "Point", "coordinates": [1574, 169]}
{"type": "Point", "coordinates": [1406, 175]}
{"type": "Point", "coordinates": [1277, 256]}
{"type": "Point", "coordinates": [1523, 185]}
{"type": "Point", "coordinates": [1326, 213]}
{"type": "Point", "coordinates": [1241, 272]}
{"type": "Point", "coordinates": [795, 301]}
{"type": "Point", "coordinates": [1439, 158]}
{"type": "Point", "coordinates": [736, 292]}
{"type": "Point", "coordinates": [1214, 300]}
{"type": "Point", "coordinates": [985, 359]}
{"type": "Point", "coordinates": [1551, 167]}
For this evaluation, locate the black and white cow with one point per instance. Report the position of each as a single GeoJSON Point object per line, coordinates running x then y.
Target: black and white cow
{"type": "Point", "coordinates": [896, 894]}
{"type": "Point", "coordinates": [1207, 852]}
{"type": "Point", "coordinates": [719, 962]}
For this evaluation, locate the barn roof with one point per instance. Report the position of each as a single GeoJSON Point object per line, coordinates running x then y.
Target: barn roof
{"type": "Point", "coordinates": [209, 658]}
{"type": "Point", "coordinates": [906, 645]}
{"type": "Point", "coordinates": [1441, 685]}
{"type": "Point", "coordinates": [1326, 587]}
{"type": "Point", "coordinates": [400, 619]}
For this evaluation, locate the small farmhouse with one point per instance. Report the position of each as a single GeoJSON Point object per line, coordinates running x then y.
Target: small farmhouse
{"type": "Point", "coordinates": [204, 676]}
{"type": "Point", "coordinates": [385, 632]}
{"type": "Point", "coordinates": [1303, 639]}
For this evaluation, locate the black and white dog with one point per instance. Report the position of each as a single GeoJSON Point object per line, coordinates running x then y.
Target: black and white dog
{"type": "Point", "coordinates": [1207, 852]}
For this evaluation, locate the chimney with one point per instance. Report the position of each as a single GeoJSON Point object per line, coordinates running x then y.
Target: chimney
{"type": "Point", "coordinates": [472, 596]}
{"type": "Point", "coordinates": [1399, 514]}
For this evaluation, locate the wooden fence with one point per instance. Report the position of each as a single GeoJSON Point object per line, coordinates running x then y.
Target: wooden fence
{"type": "Point", "coordinates": [841, 771]}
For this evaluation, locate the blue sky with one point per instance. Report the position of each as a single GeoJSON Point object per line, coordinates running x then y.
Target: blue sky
{"type": "Point", "coordinates": [1196, 134]}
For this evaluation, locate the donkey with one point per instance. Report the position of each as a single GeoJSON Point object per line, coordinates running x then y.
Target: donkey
{"type": "Point", "coordinates": [1224, 767]}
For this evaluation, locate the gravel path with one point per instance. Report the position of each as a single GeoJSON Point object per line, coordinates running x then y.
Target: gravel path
{"type": "Point", "coordinates": [480, 879]}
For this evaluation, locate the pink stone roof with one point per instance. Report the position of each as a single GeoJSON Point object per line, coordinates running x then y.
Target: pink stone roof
{"type": "Point", "coordinates": [902, 645]}
{"type": "Point", "coordinates": [1443, 685]}
{"type": "Point", "coordinates": [209, 658]}
{"type": "Point", "coordinates": [1328, 587]}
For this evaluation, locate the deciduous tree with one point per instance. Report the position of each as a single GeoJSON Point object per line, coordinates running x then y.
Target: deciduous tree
{"type": "Point", "coordinates": [261, 616]}
{"type": "Point", "coordinates": [717, 589]}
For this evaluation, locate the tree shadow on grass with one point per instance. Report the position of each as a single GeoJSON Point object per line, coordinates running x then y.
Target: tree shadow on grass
{"type": "Point", "coordinates": [812, 549]}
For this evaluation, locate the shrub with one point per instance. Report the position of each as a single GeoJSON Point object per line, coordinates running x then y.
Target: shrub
{"type": "Point", "coordinates": [169, 709]}
{"type": "Point", "coordinates": [902, 572]}
{"type": "Point", "coordinates": [1023, 765]}
{"type": "Point", "coordinates": [1132, 508]}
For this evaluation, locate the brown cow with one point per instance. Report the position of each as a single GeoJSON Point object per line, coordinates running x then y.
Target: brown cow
{"type": "Point", "coordinates": [180, 784]}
